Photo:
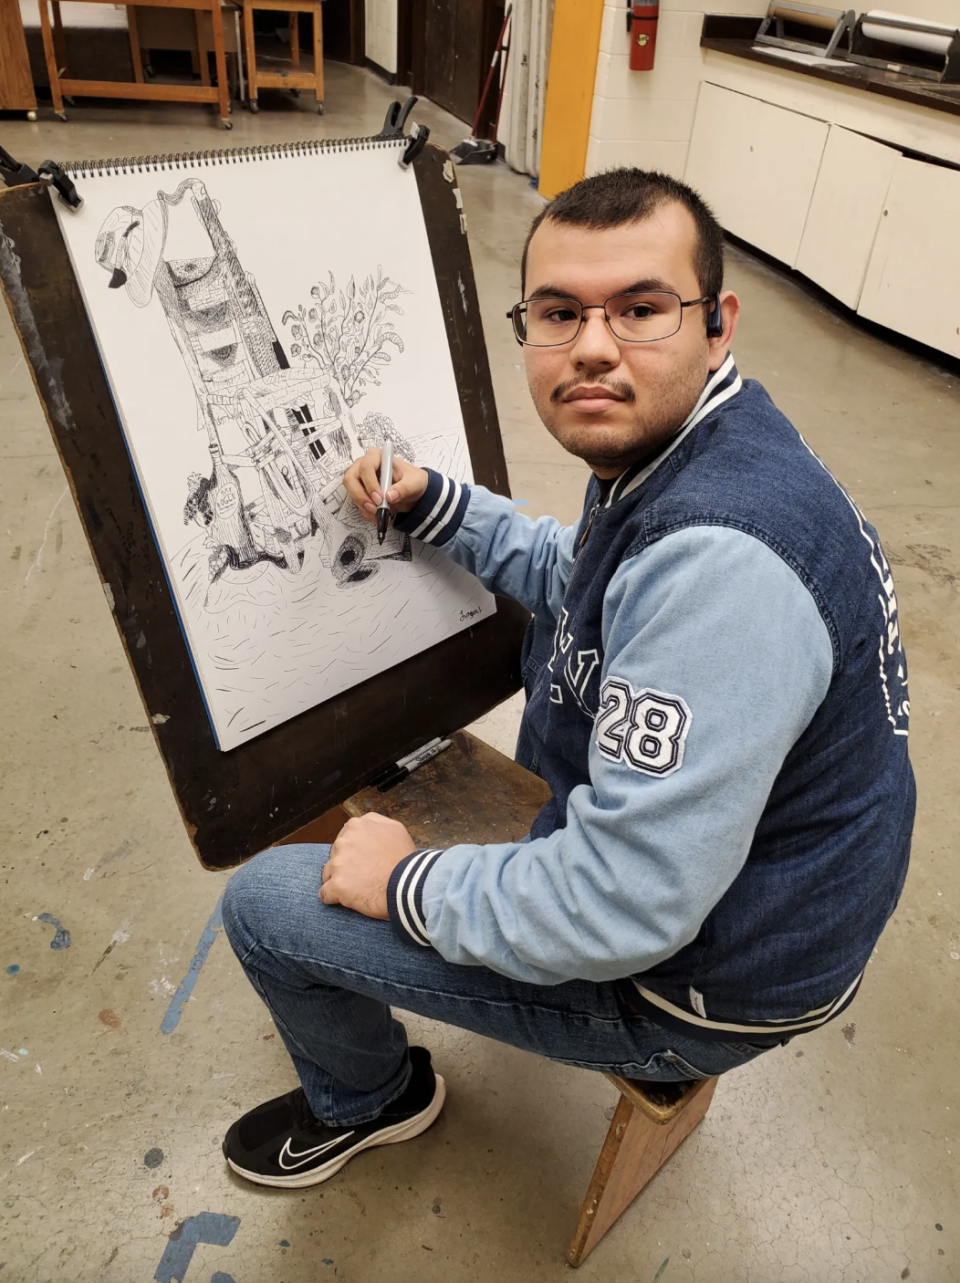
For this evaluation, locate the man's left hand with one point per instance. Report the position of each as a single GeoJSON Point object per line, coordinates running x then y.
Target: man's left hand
{"type": "Point", "coordinates": [365, 853]}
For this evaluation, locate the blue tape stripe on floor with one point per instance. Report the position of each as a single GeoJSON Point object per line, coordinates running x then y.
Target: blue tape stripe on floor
{"type": "Point", "coordinates": [207, 1227]}
{"type": "Point", "coordinates": [175, 1010]}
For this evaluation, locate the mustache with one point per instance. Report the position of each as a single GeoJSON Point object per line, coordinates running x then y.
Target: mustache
{"type": "Point", "coordinates": [619, 387]}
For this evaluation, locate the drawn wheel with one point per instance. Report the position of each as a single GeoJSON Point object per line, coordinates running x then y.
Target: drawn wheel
{"type": "Point", "coordinates": [319, 108]}
{"type": "Point", "coordinates": [31, 116]}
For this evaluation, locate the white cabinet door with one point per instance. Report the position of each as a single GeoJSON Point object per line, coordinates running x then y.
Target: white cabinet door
{"type": "Point", "coordinates": [913, 277]}
{"type": "Point", "coordinates": [846, 209]}
{"type": "Point", "coordinates": [757, 166]}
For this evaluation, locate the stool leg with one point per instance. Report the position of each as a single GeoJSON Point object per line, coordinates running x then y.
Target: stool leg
{"type": "Point", "coordinates": [634, 1151]}
{"type": "Point", "coordinates": [136, 54]}
{"type": "Point", "coordinates": [51, 56]}
{"type": "Point", "coordinates": [220, 61]}
{"type": "Point", "coordinates": [318, 56]}
{"type": "Point", "coordinates": [251, 56]}
{"type": "Point", "coordinates": [202, 59]}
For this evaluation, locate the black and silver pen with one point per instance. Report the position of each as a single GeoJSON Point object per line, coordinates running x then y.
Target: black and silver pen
{"type": "Point", "coordinates": [386, 481]}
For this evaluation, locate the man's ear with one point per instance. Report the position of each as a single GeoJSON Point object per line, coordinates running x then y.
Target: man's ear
{"type": "Point", "coordinates": [719, 344]}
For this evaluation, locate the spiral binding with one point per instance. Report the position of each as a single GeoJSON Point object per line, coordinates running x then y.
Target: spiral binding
{"type": "Point", "coordinates": [223, 156]}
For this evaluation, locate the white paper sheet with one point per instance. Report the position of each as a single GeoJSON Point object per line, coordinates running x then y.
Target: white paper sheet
{"type": "Point", "coordinates": [201, 283]}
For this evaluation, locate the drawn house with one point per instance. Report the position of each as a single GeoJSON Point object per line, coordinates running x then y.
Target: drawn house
{"type": "Point", "coordinates": [280, 439]}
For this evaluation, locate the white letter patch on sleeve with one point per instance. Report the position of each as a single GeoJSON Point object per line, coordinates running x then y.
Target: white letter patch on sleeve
{"type": "Point", "coordinates": [645, 730]}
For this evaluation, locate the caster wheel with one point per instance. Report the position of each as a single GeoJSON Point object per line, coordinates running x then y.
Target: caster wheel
{"type": "Point", "coordinates": [294, 93]}
{"type": "Point", "coordinates": [254, 107]}
{"type": "Point", "coordinates": [227, 124]}
{"type": "Point", "coordinates": [319, 108]}
{"type": "Point", "coordinates": [31, 116]}
{"type": "Point", "coordinates": [62, 115]}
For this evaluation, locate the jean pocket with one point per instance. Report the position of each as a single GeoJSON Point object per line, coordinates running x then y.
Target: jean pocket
{"type": "Point", "coordinates": [666, 1067]}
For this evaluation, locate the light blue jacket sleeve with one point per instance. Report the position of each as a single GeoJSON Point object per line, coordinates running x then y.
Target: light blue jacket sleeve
{"type": "Point", "coordinates": [526, 560]}
{"type": "Point", "coordinates": [734, 658]}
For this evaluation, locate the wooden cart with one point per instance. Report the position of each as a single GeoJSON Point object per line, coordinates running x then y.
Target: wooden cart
{"type": "Point", "coordinates": [295, 78]}
{"type": "Point", "coordinates": [60, 84]}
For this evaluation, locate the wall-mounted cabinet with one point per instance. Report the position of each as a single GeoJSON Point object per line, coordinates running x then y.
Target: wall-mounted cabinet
{"type": "Point", "coordinates": [878, 231]}
{"type": "Point", "coordinates": [845, 212]}
{"type": "Point", "coordinates": [757, 165]}
{"type": "Point", "coordinates": [913, 278]}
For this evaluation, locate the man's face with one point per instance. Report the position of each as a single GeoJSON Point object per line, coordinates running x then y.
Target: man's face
{"type": "Point", "coordinates": [609, 401]}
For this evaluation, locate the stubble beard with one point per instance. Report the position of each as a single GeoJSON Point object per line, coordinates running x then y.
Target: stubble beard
{"type": "Point", "coordinates": [609, 446]}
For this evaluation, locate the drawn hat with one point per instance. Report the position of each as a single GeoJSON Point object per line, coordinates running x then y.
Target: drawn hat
{"type": "Point", "coordinates": [129, 245]}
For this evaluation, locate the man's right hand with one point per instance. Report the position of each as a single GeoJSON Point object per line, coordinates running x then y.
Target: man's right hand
{"type": "Point", "coordinates": [363, 484]}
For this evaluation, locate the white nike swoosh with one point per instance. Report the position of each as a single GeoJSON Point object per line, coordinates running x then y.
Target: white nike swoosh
{"type": "Point", "coordinates": [307, 1154]}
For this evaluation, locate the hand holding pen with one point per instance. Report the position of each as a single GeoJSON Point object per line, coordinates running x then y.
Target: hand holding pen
{"type": "Point", "coordinates": [364, 482]}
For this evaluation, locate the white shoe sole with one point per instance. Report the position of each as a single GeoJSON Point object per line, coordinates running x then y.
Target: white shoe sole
{"type": "Point", "coordinates": [389, 1136]}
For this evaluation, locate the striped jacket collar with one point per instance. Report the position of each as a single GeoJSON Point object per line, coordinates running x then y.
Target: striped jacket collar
{"type": "Point", "coordinates": [721, 386]}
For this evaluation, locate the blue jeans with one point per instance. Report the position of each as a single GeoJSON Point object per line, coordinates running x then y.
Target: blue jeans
{"type": "Point", "coordinates": [329, 977]}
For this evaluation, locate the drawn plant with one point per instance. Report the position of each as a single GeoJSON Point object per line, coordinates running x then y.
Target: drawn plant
{"type": "Point", "coordinates": [346, 332]}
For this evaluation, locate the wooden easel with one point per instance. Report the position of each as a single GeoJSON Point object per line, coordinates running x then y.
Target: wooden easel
{"type": "Point", "coordinates": [274, 784]}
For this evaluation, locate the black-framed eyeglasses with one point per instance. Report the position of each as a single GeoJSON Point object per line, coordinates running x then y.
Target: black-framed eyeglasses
{"type": "Point", "coordinates": [633, 318]}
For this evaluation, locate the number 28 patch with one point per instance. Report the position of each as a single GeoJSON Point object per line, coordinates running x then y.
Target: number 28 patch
{"type": "Point", "coordinates": [645, 730]}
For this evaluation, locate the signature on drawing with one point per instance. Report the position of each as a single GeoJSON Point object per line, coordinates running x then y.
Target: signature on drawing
{"type": "Point", "coordinates": [470, 614]}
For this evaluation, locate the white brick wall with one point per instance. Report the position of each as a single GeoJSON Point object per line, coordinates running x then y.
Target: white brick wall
{"type": "Point", "coordinates": [645, 118]}
{"type": "Point", "coordinates": [381, 33]}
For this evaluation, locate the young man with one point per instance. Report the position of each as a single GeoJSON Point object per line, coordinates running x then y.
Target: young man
{"type": "Point", "coordinates": [722, 720]}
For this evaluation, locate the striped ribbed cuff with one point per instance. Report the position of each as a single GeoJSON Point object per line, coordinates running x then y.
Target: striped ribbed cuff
{"type": "Point", "coordinates": [438, 515]}
{"type": "Point", "coordinates": [405, 895]}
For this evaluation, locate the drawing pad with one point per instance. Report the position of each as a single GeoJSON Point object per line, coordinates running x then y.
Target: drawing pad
{"type": "Point", "coordinates": [261, 323]}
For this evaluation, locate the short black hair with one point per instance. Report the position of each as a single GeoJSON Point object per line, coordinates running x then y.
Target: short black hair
{"type": "Point", "coordinates": [627, 195]}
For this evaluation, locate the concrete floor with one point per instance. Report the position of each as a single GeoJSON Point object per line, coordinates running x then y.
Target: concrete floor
{"type": "Point", "coordinates": [832, 1161]}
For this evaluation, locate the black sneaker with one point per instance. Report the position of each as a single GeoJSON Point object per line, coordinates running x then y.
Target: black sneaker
{"type": "Point", "coordinates": [283, 1143]}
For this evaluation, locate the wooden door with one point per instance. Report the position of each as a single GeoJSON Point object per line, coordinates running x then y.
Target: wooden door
{"type": "Point", "coordinates": [343, 31]}
{"type": "Point", "coordinates": [457, 38]}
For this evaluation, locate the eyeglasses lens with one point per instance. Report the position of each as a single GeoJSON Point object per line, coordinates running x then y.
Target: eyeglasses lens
{"type": "Point", "coordinates": [635, 318]}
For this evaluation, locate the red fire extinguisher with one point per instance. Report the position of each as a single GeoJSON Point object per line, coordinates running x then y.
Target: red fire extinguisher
{"type": "Point", "coordinates": [642, 26]}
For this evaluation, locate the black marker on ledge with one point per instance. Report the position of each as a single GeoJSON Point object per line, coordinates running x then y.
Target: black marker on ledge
{"type": "Point", "coordinates": [386, 481]}
{"type": "Point", "coordinates": [411, 763]}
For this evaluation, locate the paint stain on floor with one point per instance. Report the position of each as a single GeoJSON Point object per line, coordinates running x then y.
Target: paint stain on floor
{"type": "Point", "coordinates": [161, 1195]}
{"type": "Point", "coordinates": [850, 1033]}
{"type": "Point", "coordinates": [153, 1158]}
{"type": "Point", "coordinates": [61, 937]}
{"type": "Point", "coordinates": [109, 1018]}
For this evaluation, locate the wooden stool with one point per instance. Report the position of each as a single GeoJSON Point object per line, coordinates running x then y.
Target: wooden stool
{"type": "Point", "coordinates": [649, 1123]}
{"type": "Point", "coordinates": [294, 79]}
{"type": "Point", "coordinates": [472, 793]}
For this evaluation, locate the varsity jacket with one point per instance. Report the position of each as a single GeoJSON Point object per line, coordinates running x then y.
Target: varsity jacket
{"type": "Point", "coordinates": [723, 724]}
